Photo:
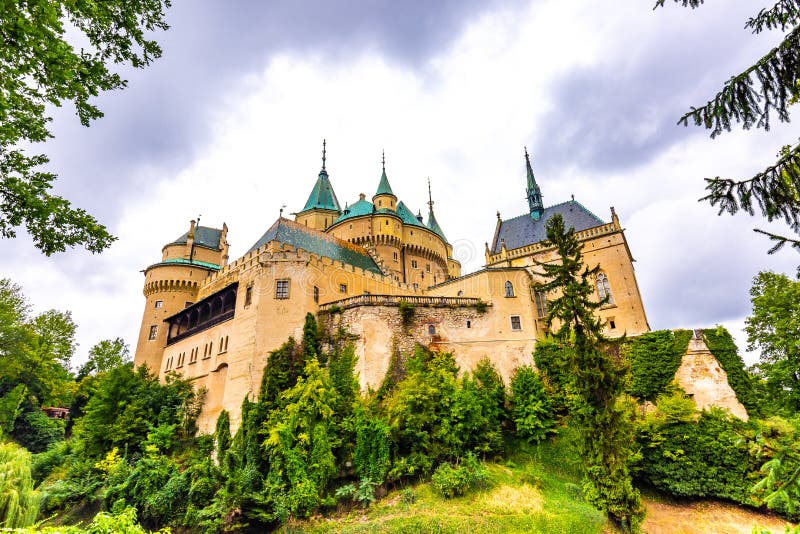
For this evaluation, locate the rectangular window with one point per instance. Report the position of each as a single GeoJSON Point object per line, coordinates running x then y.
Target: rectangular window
{"type": "Point", "coordinates": [431, 330]}
{"type": "Point", "coordinates": [516, 323]}
{"type": "Point", "coordinates": [193, 356]}
{"type": "Point", "coordinates": [153, 332]}
{"type": "Point", "coordinates": [281, 289]}
{"type": "Point", "coordinates": [159, 304]}
{"type": "Point", "coordinates": [342, 288]}
{"type": "Point", "coordinates": [181, 356]}
{"type": "Point", "coordinates": [248, 295]}
{"type": "Point", "coordinates": [427, 267]}
{"type": "Point", "coordinates": [187, 304]}
{"type": "Point", "coordinates": [541, 303]}
{"type": "Point", "coordinates": [612, 324]}
{"type": "Point", "coordinates": [223, 344]}
{"type": "Point", "coordinates": [210, 350]}
{"type": "Point", "coordinates": [316, 294]}
{"type": "Point", "coordinates": [413, 264]}
{"type": "Point", "coordinates": [394, 254]}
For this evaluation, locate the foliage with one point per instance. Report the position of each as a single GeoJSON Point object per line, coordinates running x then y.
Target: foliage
{"type": "Point", "coordinates": [722, 346]}
{"type": "Point", "coordinates": [773, 329]}
{"type": "Point", "coordinates": [19, 503]}
{"type": "Point", "coordinates": [531, 411]}
{"type": "Point", "coordinates": [406, 312]}
{"type": "Point", "coordinates": [10, 408]}
{"type": "Point", "coordinates": [691, 455]}
{"type": "Point", "coordinates": [595, 382]}
{"type": "Point", "coordinates": [371, 455]}
{"type": "Point", "coordinates": [551, 358]}
{"type": "Point", "coordinates": [37, 432]}
{"type": "Point", "coordinates": [779, 488]}
{"type": "Point", "coordinates": [481, 306]}
{"type": "Point", "coordinates": [654, 359]}
{"type": "Point", "coordinates": [766, 88]}
{"type": "Point", "coordinates": [341, 369]}
{"type": "Point", "coordinates": [222, 433]}
{"type": "Point", "coordinates": [453, 481]}
{"type": "Point", "coordinates": [283, 367]}
{"type": "Point", "coordinates": [311, 338]}
{"type": "Point", "coordinates": [300, 444]}
{"type": "Point", "coordinates": [40, 67]}
{"type": "Point", "coordinates": [105, 356]}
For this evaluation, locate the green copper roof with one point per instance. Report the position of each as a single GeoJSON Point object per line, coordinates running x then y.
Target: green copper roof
{"type": "Point", "coordinates": [316, 242]}
{"type": "Point", "coordinates": [383, 187]}
{"type": "Point", "coordinates": [184, 261]}
{"type": "Point", "coordinates": [362, 207]}
{"type": "Point", "coordinates": [532, 192]}
{"type": "Point", "coordinates": [203, 237]}
{"type": "Point", "coordinates": [322, 196]}
{"type": "Point", "coordinates": [434, 226]}
{"type": "Point", "coordinates": [407, 216]}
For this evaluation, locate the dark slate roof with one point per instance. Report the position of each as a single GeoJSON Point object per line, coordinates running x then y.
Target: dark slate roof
{"type": "Point", "coordinates": [322, 196]}
{"type": "Point", "coordinates": [316, 242]}
{"type": "Point", "coordinates": [203, 237]}
{"type": "Point", "coordinates": [524, 230]}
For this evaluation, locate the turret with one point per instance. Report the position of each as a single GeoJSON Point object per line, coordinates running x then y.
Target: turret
{"type": "Point", "coordinates": [172, 284]}
{"type": "Point", "coordinates": [322, 207]}
{"type": "Point", "coordinates": [384, 197]}
{"type": "Point", "coordinates": [533, 193]}
{"type": "Point", "coordinates": [432, 224]}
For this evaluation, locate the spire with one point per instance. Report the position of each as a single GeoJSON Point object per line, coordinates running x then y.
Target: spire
{"type": "Point", "coordinates": [383, 187]}
{"type": "Point", "coordinates": [532, 192]}
{"type": "Point", "coordinates": [432, 224]}
{"type": "Point", "coordinates": [322, 195]}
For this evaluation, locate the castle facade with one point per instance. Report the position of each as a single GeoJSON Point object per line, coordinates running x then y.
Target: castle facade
{"type": "Point", "coordinates": [215, 321]}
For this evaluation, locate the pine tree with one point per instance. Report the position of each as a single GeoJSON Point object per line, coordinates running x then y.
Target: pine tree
{"type": "Point", "coordinates": [596, 382]}
{"type": "Point", "coordinates": [752, 98]}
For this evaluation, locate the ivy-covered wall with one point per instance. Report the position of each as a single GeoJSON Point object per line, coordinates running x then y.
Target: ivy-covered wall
{"type": "Point", "coordinates": [654, 358]}
{"type": "Point", "coordinates": [721, 344]}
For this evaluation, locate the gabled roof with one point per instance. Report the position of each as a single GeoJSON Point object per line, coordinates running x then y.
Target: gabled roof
{"type": "Point", "coordinates": [316, 242]}
{"type": "Point", "coordinates": [407, 216]}
{"type": "Point", "coordinates": [322, 195]}
{"type": "Point", "coordinates": [434, 226]}
{"type": "Point", "coordinates": [203, 237]}
{"type": "Point", "coordinates": [524, 230]}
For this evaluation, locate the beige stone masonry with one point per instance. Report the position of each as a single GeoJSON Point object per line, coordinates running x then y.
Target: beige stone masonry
{"type": "Point", "coordinates": [703, 378]}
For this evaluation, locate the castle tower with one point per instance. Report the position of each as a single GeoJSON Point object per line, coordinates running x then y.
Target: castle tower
{"type": "Point", "coordinates": [322, 207]}
{"type": "Point", "coordinates": [173, 283]}
{"type": "Point", "coordinates": [532, 192]}
{"type": "Point", "coordinates": [384, 197]}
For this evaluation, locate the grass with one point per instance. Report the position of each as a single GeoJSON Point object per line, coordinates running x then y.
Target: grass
{"type": "Point", "coordinates": [536, 489]}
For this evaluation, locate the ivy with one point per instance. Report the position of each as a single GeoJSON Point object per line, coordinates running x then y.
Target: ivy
{"type": "Point", "coordinates": [654, 358]}
{"type": "Point", "coordinates": [722, 346]}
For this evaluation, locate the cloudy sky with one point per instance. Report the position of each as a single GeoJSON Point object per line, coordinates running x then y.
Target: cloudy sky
{"type": "Point", "coordinates": [229, 125]}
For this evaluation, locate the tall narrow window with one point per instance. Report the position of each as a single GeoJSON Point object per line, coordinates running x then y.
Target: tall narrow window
{"type": "Point", "coordinates": [316, 294]}
{"type": "Point", "coordinates": [342, 288]}
{"type": "Point", "coordinates": [509, 289]}
{"type": "Point", "coordinates": [153, 332]}
{"type": "Point", "coordinates": [248, 295]}
{"type": "Point", "coordinates": [282, 289]}
{"type": "Point", "coordinates": [604, 289]}
{"type": "Point", "coordinates": [541, 303]}
{"type": "Point", "coordinates": [516, 323]}
{"type": "Point", "coordinates": [431, 330]}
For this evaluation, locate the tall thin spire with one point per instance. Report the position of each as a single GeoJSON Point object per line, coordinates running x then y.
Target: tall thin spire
{"type": "Point", "coordinates": [383, 186]}
{"type": "Point", "coordinates": [532, 192]}
{"type": "Point", "coordinates": [323, 155]}
{"type": "Point", "coordinates": [430, 196]}
{"type": "Point", "coordinates": [383, 160]}
{"type": "Point", "coordinates": [433, 225]}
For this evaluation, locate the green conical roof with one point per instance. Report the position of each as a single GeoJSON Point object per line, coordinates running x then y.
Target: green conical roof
{"type": "Point", "coordinates": [322, 196]}
{"type": "Point", "coordinates": [407, 216]}
{"type": "Point", "coordinates": [383, 187]}
{"type": "Point", "coordinates": [434, 226]}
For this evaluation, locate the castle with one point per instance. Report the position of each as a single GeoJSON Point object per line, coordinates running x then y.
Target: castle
{"type": "Point", "coordinates": [215, 321]}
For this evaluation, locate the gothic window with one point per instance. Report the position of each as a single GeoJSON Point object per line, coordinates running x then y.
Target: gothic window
{"type": "Point", "coordinates": [509, 289]}
{"type": "Point", "coordinates": [460, 293]}
{"type": "Point", "coordinates": [281, 289]}
{"type": "Point", "coordinates": [516, 323]}
{"type": "Point", "coordinates": [541, 303]}
{"type": "Point", "coordinates": [604, 289]}
{"type": "Point", "coordinates": [153, 332]}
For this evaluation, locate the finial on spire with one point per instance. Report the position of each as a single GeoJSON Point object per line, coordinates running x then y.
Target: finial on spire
{"type": "Point", "coordinates": [323, 154]}
{"type": "Point", "coordinates": [383, 160]}
{"type": "Point", "coordinates": [430, 197]}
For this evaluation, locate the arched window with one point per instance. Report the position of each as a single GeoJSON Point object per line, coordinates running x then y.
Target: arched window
{"type": "Point", "coordinates": [604, 289]}
{"type": "Point", "coordinates": [509, 289]}
{"type": "Point", "coordinates": [460, 293]}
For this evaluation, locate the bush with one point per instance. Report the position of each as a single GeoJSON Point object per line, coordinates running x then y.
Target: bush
{"type": "Point", "coordinates": [37, 432]}
{"type": "Point", "coordinates": [531, 410]}
{"type": "Point", "coordinates": [452, 481]}
{"type": "Point", "coordinates": [406, 312]}
{"type": "Point", "coordinates": [722, 346]}
{"type": "Point", "coordinates": [654, 360]}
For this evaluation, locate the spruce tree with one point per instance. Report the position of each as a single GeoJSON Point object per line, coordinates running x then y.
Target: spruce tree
{"type": "Point", "coordinates": [752, 97]}
{"type": "Point", "coordinates": [596, 382]}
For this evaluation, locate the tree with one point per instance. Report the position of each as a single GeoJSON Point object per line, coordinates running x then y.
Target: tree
{"type": "Point", "coordinates": [751, 97]}
{"type": "Point", "coordinates": [104, 356]}
{"type": "Point", "coordinates": [773, 329]}
{"type": "Point", "coordinates": [596, 382]}
{"type": "Point", "coordinates": [40, 67]}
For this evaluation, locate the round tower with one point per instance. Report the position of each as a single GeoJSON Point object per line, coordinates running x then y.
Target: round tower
{"type": "Point", "coordinates": [173, 283]}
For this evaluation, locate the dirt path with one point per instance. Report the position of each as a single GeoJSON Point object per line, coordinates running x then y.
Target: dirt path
{"type": "Point", "coordinates": [706, 517]}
